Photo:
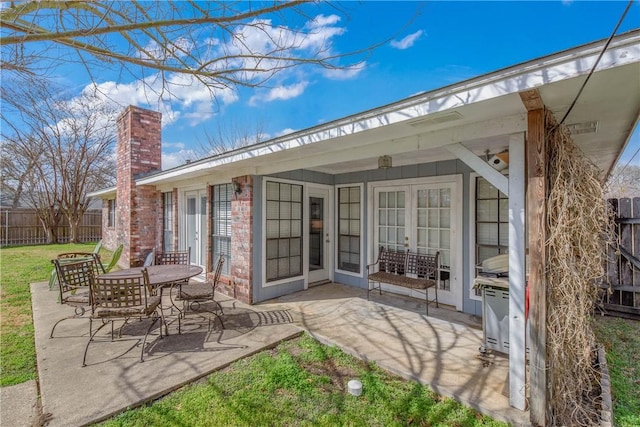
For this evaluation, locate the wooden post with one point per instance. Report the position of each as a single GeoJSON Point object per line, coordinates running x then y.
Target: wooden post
{"type": "Point", "coordinates": [536, 151]}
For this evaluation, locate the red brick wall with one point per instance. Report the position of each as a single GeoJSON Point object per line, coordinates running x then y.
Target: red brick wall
{"type": "Point", "coordinates": [109, 237]}
{"type": "Point", "coordinates": [138, 152]}
{"type": "Point", "coordinates": [175, 219]}
{"type": "Point", "coordinates": [241, 270]}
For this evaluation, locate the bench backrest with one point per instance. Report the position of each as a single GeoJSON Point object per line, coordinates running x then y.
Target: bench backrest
{"type": "Point", "coordinates": [422, 265]}
{"type": "Point", "coordinates": [408, 263]}
{"type": "Point", "coordinates": [391, 261]}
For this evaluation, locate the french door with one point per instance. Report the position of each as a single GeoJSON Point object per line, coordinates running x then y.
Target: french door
{"type": "Point", "coordinates": [424, 218]}
{"type": "Point", "coordinates": [196, 226]}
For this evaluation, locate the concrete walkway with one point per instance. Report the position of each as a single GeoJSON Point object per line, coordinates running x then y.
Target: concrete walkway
{"type": "Point", "coordinates": [19, 405]}
{"type": "Point", "coordinates": [395, 333]}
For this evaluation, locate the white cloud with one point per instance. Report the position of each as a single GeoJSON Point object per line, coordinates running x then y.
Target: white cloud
{"type": "Point", "coordinates": [178, 97]}
{"type": "Point", "coordinates": [406, 42]}
{"type": "Point", "coordinates": [345, 73]}
{"type": "Point", "coordinates": [323, 21]}
{"type": "Point", "coordinates": [280, 93]}
{"type": "Point", "coordinates": [177, 158]}
{"type": "Point", "coordinates": [178, 145]}
{"type": "Point", "coordinates": [286, 131]}
{"type": "Point", "coordinates": [261, 49]}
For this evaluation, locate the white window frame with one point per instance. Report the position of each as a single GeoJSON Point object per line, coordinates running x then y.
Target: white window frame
{"type": "Point", "coordinates": [305, 231]}
{"type": "Point", "coordinates": [337, 231]}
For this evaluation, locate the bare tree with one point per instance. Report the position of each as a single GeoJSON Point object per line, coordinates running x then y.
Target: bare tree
{"type": "Point", "coordinates": [624, 182]}
{"type": "Point", "coordinates": [219, 44]}
{"type": "Point", "coordinates": [60, 150]}
{"type": "Point", "coordinates": [231, 136]}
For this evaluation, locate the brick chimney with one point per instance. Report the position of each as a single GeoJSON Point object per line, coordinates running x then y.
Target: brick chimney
{"type": "Point", "coordinates": [137, 207]}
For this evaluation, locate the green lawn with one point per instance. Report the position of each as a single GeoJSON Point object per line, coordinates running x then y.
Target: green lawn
{"type": "Point", "coordinates": [20, 266]}
{"type": "Point", "coordinates": [302, 382]}
{"type": "Point", "coordinates": [621, 339]}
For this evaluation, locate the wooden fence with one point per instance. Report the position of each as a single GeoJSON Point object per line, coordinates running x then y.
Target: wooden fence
{"type": "Point", "coordinates": [21, 227]}
{"type": "Point", "coordinates": [623, 268]}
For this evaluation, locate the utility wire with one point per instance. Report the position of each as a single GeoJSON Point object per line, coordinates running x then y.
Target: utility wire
{"type": "Point", "coordinates": [615, 30]}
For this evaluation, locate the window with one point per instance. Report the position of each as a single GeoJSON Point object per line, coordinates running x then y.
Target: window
{"type": "Point", "coordinates": [284, 230]}
{"type": "Point", "coordinates": [349, 229]}
{"type": "Point", "coordinates": [112, 213]}
{"type": "Point", "coordinates": [221, 225]}
{"type": "Point", "coordinates": [492, 221]}
{"type": "Point", "coordinates": [167, 222]}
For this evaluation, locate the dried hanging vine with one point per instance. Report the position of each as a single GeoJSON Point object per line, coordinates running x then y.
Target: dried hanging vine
{"type": "Point", "coordinates": [578, 223]}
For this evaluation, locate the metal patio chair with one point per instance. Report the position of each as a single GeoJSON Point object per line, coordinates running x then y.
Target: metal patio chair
{"type": "Point", "coordinates": [174, 257]}
{"type": "Point", "coordinates": [123, 298]}
{"type": "Point", "coordinates": [194, 294]}
{"type": "Point", "coordinates": [75, 256]}
{"type": "Point", "coordinates": [73, 276]}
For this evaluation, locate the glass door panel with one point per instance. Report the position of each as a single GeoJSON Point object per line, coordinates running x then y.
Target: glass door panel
{"type": "Point", "coordinates": [391, 219]}
{"type": "Point", "coordinates": [318, 237]}
{"type": "Point", "coordinates": [316, 233]}
{"type": "Point", "coordinates": [433, 226]}
{"type": "Point", "coordinates": [196, 226]}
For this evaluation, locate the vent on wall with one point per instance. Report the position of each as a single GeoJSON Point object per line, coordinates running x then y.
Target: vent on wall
{"type": "Point", "coordinates": [584, 127]}
{"type": "Point", "coordinates": [436, 119]}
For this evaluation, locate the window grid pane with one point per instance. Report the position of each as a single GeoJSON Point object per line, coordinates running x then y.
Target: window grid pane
{"type": "Point", "coordinates": [492, 221]}
{"type": "Point", "coordinates": [167, 221]}
{"type": "Point", "coordinates": [284, 229]}
{"type": "Point", "coordinates": [221, 225]}
{"type": "Point", "coordinates": [349, 230]}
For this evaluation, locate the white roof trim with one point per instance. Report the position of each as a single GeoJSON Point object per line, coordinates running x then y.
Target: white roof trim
{"type": "Point", "coordinates": [568, 64]}
{"type": "Point", "coordinates": [102, 193]}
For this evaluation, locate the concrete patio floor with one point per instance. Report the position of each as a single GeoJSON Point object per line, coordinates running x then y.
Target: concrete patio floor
{"type": "Point", "coordinates": [115, 379]}
{"type": "Point", "coordinates": [395, 333]}
{"type": "Point", "coordinates": [392, 331]}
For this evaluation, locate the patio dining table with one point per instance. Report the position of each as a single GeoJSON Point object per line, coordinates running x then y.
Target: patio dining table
{"type": "Point", "coordinates": [162, 276]}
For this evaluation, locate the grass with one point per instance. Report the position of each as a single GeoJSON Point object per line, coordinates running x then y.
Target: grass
{"type": "Point", "coordinates": [20, 266]}
{"type": "Point", "coordinates": [302, 382]}
{"type": "Point", "coordinates": [621, 339]}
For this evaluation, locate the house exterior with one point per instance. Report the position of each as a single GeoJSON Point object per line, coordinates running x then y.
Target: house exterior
{"type": "Point", "coordinates": [440, 171]}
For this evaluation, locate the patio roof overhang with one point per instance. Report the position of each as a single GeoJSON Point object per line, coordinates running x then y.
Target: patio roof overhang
{"type": "Point", "coordinates": [481, 114]}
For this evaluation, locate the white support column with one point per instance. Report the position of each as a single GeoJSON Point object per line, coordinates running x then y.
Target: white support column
{"type": "Point", "coordinates": [517, 273]}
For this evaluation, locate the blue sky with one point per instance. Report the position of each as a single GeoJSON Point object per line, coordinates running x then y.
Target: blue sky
{"type": "Point", "coordinates": [433, 44]}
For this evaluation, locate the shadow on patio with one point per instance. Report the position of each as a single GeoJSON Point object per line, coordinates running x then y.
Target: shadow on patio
{"type": "Point", "coordinates": [115, 379]}
{"type": "Point", "coordinates": [395, 333]}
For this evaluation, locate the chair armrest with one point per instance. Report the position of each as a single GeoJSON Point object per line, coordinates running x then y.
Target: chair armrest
{"type": "Point", "coordinates": [372, 265]}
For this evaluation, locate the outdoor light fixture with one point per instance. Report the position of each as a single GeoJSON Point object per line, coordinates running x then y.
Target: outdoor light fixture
{"type": "Point", "coordinates": [499, 161]}
{"type": "Point", "coordinates": [384, 162]}
{"type": "Point", "coordinates": [236, 187]}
